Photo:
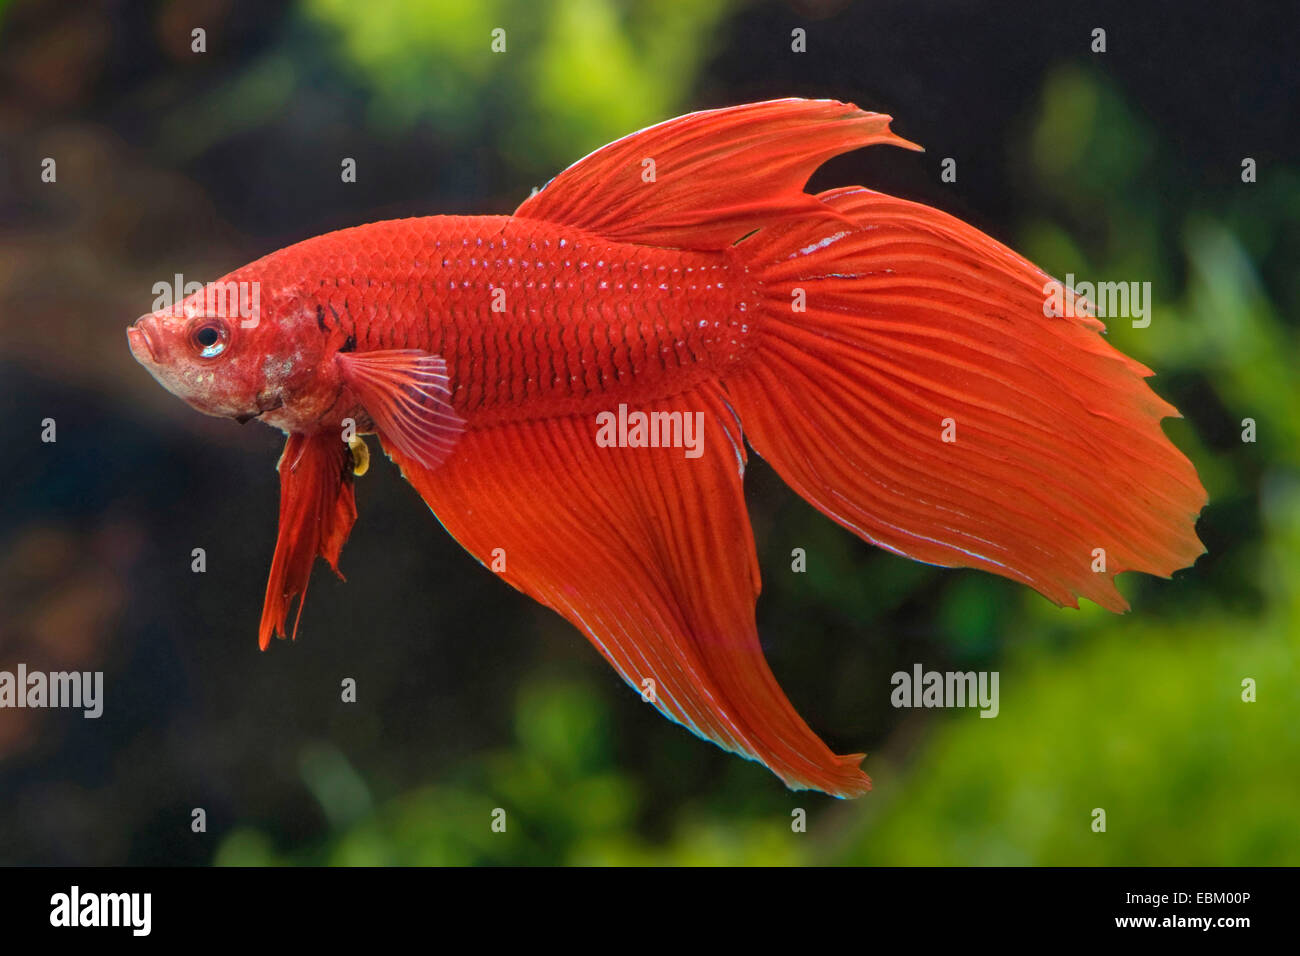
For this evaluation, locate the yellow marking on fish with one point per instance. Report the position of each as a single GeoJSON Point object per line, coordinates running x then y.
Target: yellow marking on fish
{"type": "Point", "coordinates": [360, 455]}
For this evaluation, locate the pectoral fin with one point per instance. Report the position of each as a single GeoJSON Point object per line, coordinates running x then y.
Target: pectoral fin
{"type": "Point", "coordinates": [407, 393]}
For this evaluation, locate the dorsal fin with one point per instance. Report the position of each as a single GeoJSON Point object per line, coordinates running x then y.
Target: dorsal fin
{"type": "Point", "coordinates": [705, 180]}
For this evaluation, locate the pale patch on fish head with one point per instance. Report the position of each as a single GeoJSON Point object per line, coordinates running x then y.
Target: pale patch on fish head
{"type": "Point", "coordinates": [225, 366]}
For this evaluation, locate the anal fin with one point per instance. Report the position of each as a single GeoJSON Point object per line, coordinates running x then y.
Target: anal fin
{"type": "Point", "coordinates": [650, 554]}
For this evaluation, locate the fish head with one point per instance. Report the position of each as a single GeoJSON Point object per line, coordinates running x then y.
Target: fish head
{"type": "Point", "coordinates": [232, 361]}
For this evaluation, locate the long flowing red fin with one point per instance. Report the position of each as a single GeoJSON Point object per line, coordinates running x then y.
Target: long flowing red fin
{"type": "Point", "coordinates": [704, 180]}
{"type": "Point", "coordinates": [406, 392]}
{"type": "Point", "coordinates": [924, 400]}
{"type": "Point", "coordinates": [649, 553]}
{"type": "Point", "coordinates": [317, 511]}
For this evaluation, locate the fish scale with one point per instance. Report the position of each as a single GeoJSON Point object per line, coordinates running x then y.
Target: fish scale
{"type": "Point", "coordinates": [586, 323]}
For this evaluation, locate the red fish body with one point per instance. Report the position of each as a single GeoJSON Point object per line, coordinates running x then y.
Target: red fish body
{"type": "Point", "coordinates": [533, 319]}
{"type": "Point", "coordinates": [895, 366]}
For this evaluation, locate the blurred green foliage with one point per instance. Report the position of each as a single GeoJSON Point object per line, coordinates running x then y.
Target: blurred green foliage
{"type": "Point", "coordinates": [1141, 716]}
{"type": "Point", "coordinates": [592, 69]}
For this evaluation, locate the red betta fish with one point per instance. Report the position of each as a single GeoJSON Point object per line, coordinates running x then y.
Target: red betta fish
{"type": "Point", "coordinates": [571, 388]}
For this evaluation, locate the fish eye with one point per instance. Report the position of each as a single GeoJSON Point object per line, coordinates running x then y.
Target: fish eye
{"type": "Point", "coordinates": [210, 336]}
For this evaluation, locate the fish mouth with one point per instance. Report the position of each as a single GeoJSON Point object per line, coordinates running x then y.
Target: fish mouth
{"type": "Point", "coordinates": [142, 346]}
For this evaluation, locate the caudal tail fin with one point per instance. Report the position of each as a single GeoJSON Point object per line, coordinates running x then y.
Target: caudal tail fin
{"type": "Point", "coordinates": [908, 383]}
